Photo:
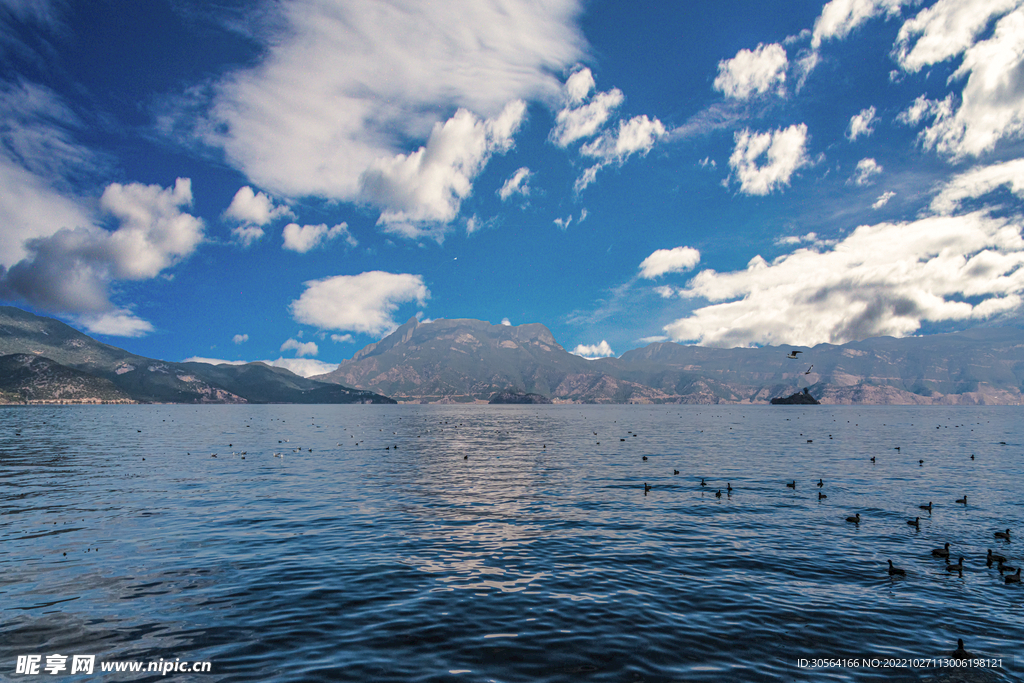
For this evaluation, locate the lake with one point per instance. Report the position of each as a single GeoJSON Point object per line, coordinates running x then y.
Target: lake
{"type": "Point", "coordinates": [509, 543]}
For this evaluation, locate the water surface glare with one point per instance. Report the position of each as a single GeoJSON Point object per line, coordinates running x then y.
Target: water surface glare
{"type": "Point", "coordinates": [509, 543]}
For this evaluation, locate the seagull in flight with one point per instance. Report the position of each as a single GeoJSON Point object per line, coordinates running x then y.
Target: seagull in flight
{"type": "Point", "coordinates": [792, 354]}
{"type": "Point", "coordinates": [809, 370]}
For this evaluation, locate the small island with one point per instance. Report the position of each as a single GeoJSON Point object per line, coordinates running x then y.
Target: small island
{"type": "Point", "coordinates": [800, 398]}
{"type": "Point", "coordinates": [515, 397]}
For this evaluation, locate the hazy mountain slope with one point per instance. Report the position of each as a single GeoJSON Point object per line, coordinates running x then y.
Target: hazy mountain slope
{"type": "Point", "coordinates": [28, 378]}
{"type": "Point", "coordinates": [146, 379]}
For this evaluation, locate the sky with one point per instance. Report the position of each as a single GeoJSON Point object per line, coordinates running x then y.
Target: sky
{"type": "Point", "coordinates": [290, 180]}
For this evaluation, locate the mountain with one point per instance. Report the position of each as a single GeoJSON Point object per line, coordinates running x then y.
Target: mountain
{"type": "Point", "coordinates": [25, 378]}
{"type": "Point", "coordinates": [148, 380]}
{"type": "Point", "coordinates": [469, 360]}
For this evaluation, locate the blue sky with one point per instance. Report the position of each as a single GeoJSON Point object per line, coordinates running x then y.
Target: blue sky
{"type": "Point", "coordinates": [290, 180]}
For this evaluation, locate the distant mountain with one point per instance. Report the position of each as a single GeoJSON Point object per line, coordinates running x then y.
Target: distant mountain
{"type": "Point", "coordinates": [469, 360]}
{"type": "Point", "coordinates": [148, 380]}
{"type": "Point", "coordinates": [25, 378]}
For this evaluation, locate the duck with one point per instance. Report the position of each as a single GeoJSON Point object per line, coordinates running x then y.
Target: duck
{"type": "Point", "coordinates": [675, 471]}
{"type": "Point", "coordinates": [1013, 578]}
{"type": "Point", "coordinates": [855, 519]}
{"type": "Point", "coordinates": [927, 507]}
{"type": "Point", "coordinates": [941, 552]}
{"type": "Point", "coordinates": [958, 567]}
{"type": "Point", "coordinates": [792, 484]}
{"type": "Point", "coordinates": [1003, 534]}
{"type": "Point", "coordinates": [820, 483]}
{"type": "Point", "coordinates": [992, 557]}
{"type": "Point", "coordinates": [728, 487]}
{"type": "Point", "coordinates": [647, 487]}
{"type": "Point", "coordinates": [962, 500]}
{"type": "Point", "coordinates": [960, 652]}
{"type": "Point", "coordinates": [645, 457]}
{"type": "Point", "coordinates": [872, 458]}
{"type": "Point", "coordinates": [702, 482]}
{"type": "Point", "coordinates": [916, 522]}
{"type": "Point", "coordinates": [821, 496]}
{"type": "Point", "coordinates": [718, 494]}
{"type": "Point", "coordinates": [896, 571]}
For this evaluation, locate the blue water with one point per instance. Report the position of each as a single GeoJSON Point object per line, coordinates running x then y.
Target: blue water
{"type": "Point", "coordinates": [537, 558]}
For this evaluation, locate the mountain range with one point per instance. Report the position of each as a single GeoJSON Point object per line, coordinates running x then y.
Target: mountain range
{"type": "Point", "coordinates": [462, 360]}
{"type": "Point", "coordinates": [44, 360]}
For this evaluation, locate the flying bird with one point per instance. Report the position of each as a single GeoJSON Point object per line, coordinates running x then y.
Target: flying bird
{"type": "Point", "coordinates": [793, 354]}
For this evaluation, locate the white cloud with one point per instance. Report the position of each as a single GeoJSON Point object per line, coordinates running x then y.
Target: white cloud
{"type": "Point", "coordinates": [924, 108]}
{"type": "Point", "coordinates": [304, 367]}
{"type": "Point", "coordinates": [677, 260]}
{"type": "Point", "coordinates": [116, 323]}
{"type": "Point", "coordinates": [563, 223]}
{"type": "Point", "coordinates": [240, 338]}
{"type": "Point", "coordinates": [577, 120]}
{"type": "Point", "coordinates": [753, 72]}
{"type": "Point", "coordinates": [944, 30]}
{"type": "Point", "coordinates": [341, 338]}
{"type": "Point", "coordinates": [344, 86]}
{"type": "Point", "coordinates": [506, 322]}
{"type": "Point", "coordinates": [254, 208]}
{"type": "Point", "coordinates": [303, 238]}
{"type": "Point", "coordinates": [579, 85]}
{"type": "Point", "coordinates": [519, 183]}
{"type": "Point", "coordinates": [883, 279]}
{"type": "Point", "coordinates": [665, 291]}
{"type": "Point", "coordinates": [978, 182]}
{"type": "Point", "coordinates": [707, 161]}
{"type": "Point", "coordinates": [425, 188]}
{"type": "Point", "coordinates": [866, 170]}
{"type": "Point", "coordinates": [592, 351]}
{"type": "Point", "coordinates": [635, 136]}
{"type": "Point", "coordinates": [883, 199]}
{"type": "Point", "coordinates": [861, 124]}
{"type": "Point", "coordinates": [809, 238]}
{"type": "Point", "coordinates": [72, 269]}
{"type": "Point", "coordinates": [991, 105]}
{"type": "Point", "coordinates": [654, 339]}
{"type": "Point", "coordinates": [784, 150]}
{"type": "Point", "coordinates": [247, 235]}
{"type": "Point", "coordinates": [839, 17]}
{"type": "Point", "coordinates": [300, 348]}
{"type": "Point", "coordinates": [358, 303]}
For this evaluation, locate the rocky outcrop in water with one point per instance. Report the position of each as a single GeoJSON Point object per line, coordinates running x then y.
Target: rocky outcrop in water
{"type": "Point", "coordinates": [511, 397]}
{"type": "Point", "coordinates": [800, 398]}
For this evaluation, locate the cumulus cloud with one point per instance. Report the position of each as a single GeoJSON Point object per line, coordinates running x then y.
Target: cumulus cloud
{"type": "Point", "coordinates": [254, 208]}
{"type": "Point", "coordinates": [677, 260]}
{"type": "Point", "coordinates": [300, 348]}
{"type": "Point", "coordinates": [866, 170]}
{"type": "Point", "coordinates": [247, 235]}
{"type": "Point", "coordinates": [304, 367]}
{"type": "Point", "coordinates": [635, 136]}
{"type": "Point", "coordinates": [426, 188]}
{"type": "Point", "coordinates": [341, 338]}
{"type": "Point", "coordinates": [783, 151]}
{"type": "Point", "coordinates": [305, 237]}
{"type": "Point", "coordinates": [861, 124]}
{"type": "Point", "coordinates": [991, 104]}
{"type": "Point", "coordinates": [978, 182]}
{"type": "Point", "coordinates": [809, 238]}
{"type": "Point", "coordinates": [116, 323]}
{"type": "Point", "coordinates": [240, 338]}
{"type": "Point", "coordinates": [883, 199]}
{"type": "Point", "coordinates": [506, 322]}
{"type": "Point", "coordinates": [839, 18]}
{"type": "Point", "coordinates": [883, 279]}
{"type": "Point", "coordinates": [577, 120]}
{"type": "Point", "coordinates": [593, 351]}
{"type": "Point", "coordinates": [754, 72]}
{"type": "Point", "coordinates": [71, 270]}
{"type": "Point", "coordinates": [519, 183]}
{"type": "Point", "coordinates": [343, 87]}
{"type": "Point", "coordinates": [361, 303]}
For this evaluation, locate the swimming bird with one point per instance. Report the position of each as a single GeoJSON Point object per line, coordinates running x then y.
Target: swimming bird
{"type": "Point", "coordinates": [958, 567]}
{"type": "Point", "coordinates": [675, 471]}
{"type": "Point", "coordinates": [647, 487]}
{"type": "Point", "coordinates": [962, 500]}
{"type": "Point", "coordinates": [896, 571]}
{"type": "Point", "coordinates": [941, 552]}
{"type": "Point", "coordinates": [960, 652]}
{"type": "Point", "coordinates": [916, 523]}
{"type": "Point", "coordinates": [921, 463]}
{"type": "Point", "coordinates": [855, 519]}
{"type": "Point", "coordinates": [728, 487]}
{"type": "Point", "coordinates": [820, 483]}
{"type": "Point", "coordinates": [702, 483]}
{"type": "Point", "coordinates": [1003, 534]}
{"type": "Point", "coordinates": [718, 494]}
{"type": "Point", "coordinates": [645, 457]}
{"type": "Point", "coordinates": [872, 458]}
{"type": "Point", "coordinates": [972, 454]}
{"type": "Point", "coordinates": [927, 507]}
{"type": "Point", "coordinates": [992, 557]}
{"type": "Point", "coordinates": [1013, 578]}
{"type": "Point", "coordinates": [793, 355]}
{"type": "Point", "coordinates": [821, 496]}
{"type": "Point", "coordinates": [792, 484]}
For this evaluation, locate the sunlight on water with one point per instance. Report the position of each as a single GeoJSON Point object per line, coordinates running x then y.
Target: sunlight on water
{"type": "Point", "coordinates": [510, 543]}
